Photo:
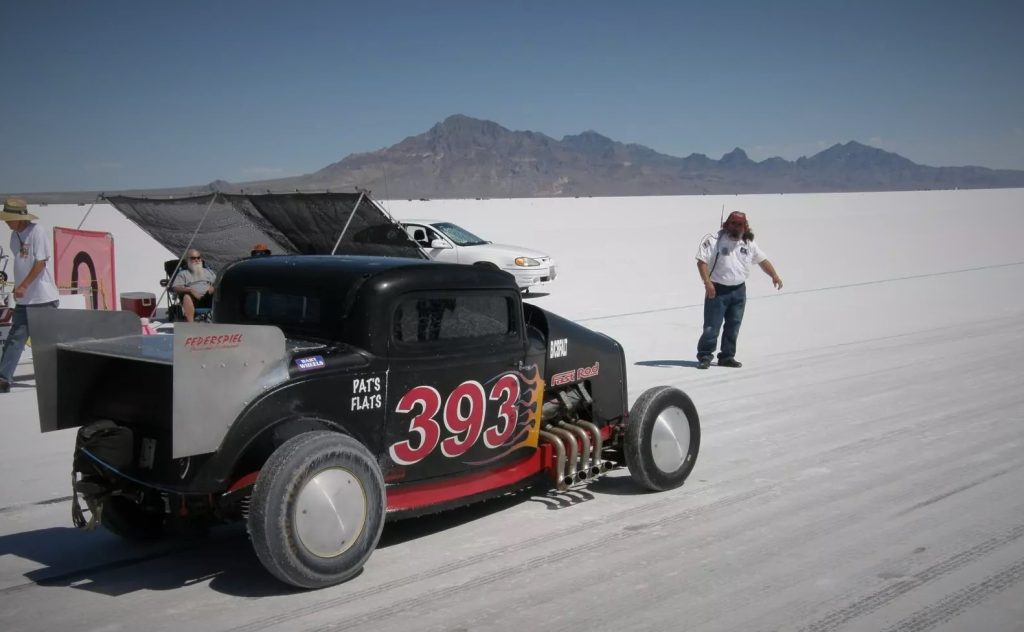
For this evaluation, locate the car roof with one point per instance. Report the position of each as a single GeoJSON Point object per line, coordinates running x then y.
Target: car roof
{"type": "Point", "coordinates": [353, 291]}
{"type": "Point", "coordinates": [318, 271]}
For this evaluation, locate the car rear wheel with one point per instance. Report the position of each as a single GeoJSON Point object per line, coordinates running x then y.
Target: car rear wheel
{"type": "Point", "coordinates": [662, 438]}
{"type": "Point", "coordinates": [317, 509]}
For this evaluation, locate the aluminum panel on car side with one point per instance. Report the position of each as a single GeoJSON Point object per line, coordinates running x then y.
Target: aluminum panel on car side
{"type": "Point", "coordinates": [220, 369]}
{"type": "Point", "coordinates": [53, 327]}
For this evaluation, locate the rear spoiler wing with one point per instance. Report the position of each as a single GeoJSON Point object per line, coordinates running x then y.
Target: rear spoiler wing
{"type": "Point", "coordinates": [216, 370]}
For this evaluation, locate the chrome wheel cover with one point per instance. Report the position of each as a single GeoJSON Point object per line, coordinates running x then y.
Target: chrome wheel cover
{"type": "Point", "coordinates": [670, 439]}
{"type": "Point", "coordinates": [330, 512]}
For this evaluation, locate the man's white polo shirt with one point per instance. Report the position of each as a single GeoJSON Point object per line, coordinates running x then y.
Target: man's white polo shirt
{"type": "Point", "coordinates": [728, 259]}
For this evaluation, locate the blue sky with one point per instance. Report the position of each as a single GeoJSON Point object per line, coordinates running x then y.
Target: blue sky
{"type": "Point", "coordinates": [106, 95]}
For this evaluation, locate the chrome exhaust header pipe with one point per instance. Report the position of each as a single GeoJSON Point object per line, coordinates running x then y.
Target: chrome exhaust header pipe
{"type": "Point", "coordinates": [569, 474]}
{"type": "Point", "coordinates": [583, 468]}
{"type": "Point", "coordinates": [559, 448]}
{"type": "Point", "coordinates": [597, 466]}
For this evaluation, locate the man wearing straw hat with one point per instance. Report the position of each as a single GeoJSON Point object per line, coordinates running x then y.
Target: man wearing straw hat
{"type": "Point", "coordinates": [33, 281]}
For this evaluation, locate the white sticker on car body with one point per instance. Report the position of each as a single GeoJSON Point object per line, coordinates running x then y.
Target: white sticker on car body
{"type": "Point", "coordinates": [366, 393]}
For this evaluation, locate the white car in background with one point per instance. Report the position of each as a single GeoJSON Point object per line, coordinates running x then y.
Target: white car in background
{"type": "Point", "coordinates": [445, 241]}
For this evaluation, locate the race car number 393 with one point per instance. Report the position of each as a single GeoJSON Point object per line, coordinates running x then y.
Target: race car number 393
{"type": "Point", "coordinates": [463, 415]}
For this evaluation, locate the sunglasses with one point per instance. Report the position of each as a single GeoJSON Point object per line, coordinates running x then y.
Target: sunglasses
{"type": "Point", "coordinates": [195, 258]}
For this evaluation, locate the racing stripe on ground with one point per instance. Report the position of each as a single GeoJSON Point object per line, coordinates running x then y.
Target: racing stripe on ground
{"type": "Point", "coordinates": [813, 290]}
{"type": "Point", "coordinates": [38, 503]}
{"type": "Point", "coordinates": [955, 603]}
{"type": "Point", "coordinates": [892, 592]}
{"type": "Point", "coordinates": [958, 489]}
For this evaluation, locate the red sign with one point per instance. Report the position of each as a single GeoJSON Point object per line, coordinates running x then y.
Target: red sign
{"type": "Point", "coordinates": [83, 263]}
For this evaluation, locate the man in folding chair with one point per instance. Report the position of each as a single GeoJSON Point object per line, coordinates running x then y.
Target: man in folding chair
{"type": "Point", "coordinates": [194, 285]}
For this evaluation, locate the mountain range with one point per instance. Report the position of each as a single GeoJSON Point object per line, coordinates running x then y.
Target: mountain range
{"type": "Point", "coordinates": [465, 157]}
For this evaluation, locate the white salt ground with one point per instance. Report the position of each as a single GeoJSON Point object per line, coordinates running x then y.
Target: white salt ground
{"type": "Point", "coordinates": [862, 471]}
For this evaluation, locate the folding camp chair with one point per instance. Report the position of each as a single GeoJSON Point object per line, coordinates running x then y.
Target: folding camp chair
{"type": "Point", "coordinates": [175, 311]}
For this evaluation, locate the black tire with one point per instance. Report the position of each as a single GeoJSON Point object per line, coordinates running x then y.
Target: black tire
{"type": "Point", "coordinates": [661, 421]}
{"type": "Point", "coordinates": [285, 519]}
{"type": "Point", "coordinates": [129, 520]}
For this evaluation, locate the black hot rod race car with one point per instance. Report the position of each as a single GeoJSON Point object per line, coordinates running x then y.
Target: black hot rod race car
{"type": "Point", "coordinates": [332, 393]}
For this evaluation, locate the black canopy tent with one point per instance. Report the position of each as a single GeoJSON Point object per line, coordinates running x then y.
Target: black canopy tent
{"type": "Point", "coordinates": [225, 226]}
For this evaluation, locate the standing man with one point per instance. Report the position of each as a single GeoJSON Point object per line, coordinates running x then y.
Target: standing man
{"type": "Point", "coordinates": [194, 284]}
{"type": "Point", "coordinates": [33, 282]}
{"type": "Point", "coordinates": [723, 261]}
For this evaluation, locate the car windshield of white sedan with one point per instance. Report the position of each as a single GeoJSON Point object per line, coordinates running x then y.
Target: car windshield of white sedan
{"type": "Point", "coordinates": [459, 235]}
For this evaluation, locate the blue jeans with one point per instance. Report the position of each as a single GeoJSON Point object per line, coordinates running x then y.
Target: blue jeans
{"type": "Point", "coordinates": [727, 307]}
{"type": "Point", "coordinates": [15, 342]}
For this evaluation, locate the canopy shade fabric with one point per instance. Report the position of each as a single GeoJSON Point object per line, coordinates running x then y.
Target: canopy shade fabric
{"type": "Point", "coordinates": [225, 226]}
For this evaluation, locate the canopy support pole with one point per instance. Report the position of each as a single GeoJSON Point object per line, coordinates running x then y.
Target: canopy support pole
{"type": "Point", "coordinates": [355, 208]}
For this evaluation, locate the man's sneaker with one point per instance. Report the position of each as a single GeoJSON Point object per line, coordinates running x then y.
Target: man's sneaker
{"type": "Point", "coordinates": [5, 386]}
{"type": "Point", "coordinates": [704, 364]}
{"type": "Point", "coordinates": [729, 362]}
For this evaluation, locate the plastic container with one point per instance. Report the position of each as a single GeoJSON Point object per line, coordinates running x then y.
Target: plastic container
{"type": "Point", "coordinates": [142, 303]}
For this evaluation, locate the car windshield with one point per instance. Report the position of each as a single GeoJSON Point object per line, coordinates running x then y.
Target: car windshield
{"type": "Point", "coordinates": [459, 235]}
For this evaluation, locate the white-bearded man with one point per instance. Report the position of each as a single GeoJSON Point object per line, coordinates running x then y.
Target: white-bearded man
{"type": "Point", "coordinates": [194, 284]}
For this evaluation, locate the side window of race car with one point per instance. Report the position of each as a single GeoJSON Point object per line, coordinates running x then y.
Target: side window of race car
{"type": "Point", "coordinates": [468, 317]}
{"type": "Point", "coordinates": [262, 305]}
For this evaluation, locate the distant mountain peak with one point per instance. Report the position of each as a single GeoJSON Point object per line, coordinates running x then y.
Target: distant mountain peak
{"type": "Point", "coordinates": [589, 141]}
{"type": "Point", "coordinates": [854, 154]}
{"type": "Point", "coordinates": [736, 157]}
{"type": "Point", "coordinates": [589, 134]}
{"type": "Point", "coordinates": [460, 124]}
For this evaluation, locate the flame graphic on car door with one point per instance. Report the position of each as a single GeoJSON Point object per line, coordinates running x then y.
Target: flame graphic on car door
{"type": "Point", "coordinates": [529, 407]}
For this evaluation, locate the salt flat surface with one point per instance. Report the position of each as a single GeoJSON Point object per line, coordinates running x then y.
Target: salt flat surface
{"type": "Point", "coordinates": [862, 471]}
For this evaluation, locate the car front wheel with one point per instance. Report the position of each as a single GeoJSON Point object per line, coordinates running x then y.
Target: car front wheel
{"type": "Point", "coordinates": [317, 509]}
{"type": "Point", "coordinates": [662, 438]}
